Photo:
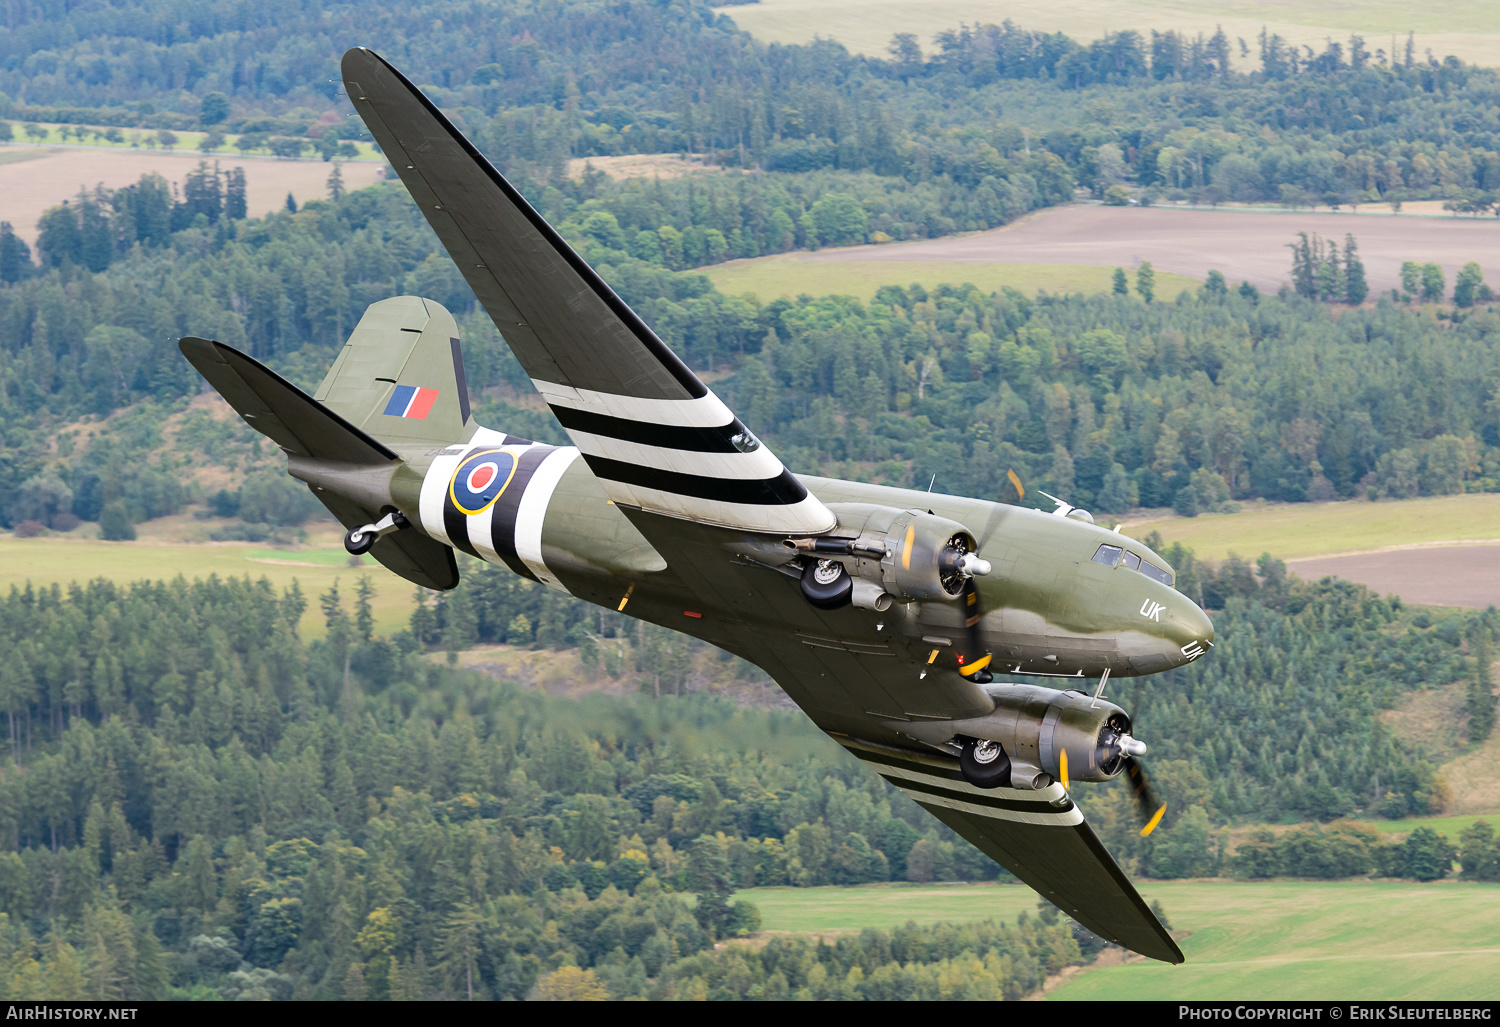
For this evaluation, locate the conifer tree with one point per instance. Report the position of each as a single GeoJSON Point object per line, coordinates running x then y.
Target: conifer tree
{"type": "Point", "coordinates": [1480, 705]}
{"type": "Point", "coordinates": [1356, 288]}
{"type": "Point", "coordinates": [1145, 281]}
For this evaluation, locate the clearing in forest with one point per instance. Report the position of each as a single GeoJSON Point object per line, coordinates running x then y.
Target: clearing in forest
{"type": "Point", "coordinates": [62, 559]}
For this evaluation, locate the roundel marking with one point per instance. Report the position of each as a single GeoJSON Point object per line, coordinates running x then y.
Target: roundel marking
{"type": "Point", "coordinates": [480, 478]}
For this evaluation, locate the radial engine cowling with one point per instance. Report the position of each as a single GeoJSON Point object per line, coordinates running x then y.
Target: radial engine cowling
{"type": "Point", "coordinates": [925, 557]}
{"type": "Point", "coordinates": [1035, 725]}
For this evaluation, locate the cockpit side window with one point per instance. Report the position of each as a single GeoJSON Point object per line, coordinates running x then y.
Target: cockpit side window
{"type": "Point", "coordinates": [1157, 573]}
{"type": "Point", "coordinates": [1132, 561]}
{"type": "Point", "coordinates": [1108, 555]}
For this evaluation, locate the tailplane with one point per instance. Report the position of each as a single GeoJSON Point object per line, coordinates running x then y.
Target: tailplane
{"type": "Point", "coordinates": [324, 447]}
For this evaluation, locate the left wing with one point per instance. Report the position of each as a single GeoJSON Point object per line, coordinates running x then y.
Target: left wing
{"type": "Point", "coordinates": [651, 431]}
{"type": "Point", "coordinates": [1040, 836]}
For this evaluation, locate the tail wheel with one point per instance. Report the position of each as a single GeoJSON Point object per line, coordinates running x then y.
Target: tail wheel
{"type": "Point", "coordinates": [984, 763]}
{"type": "Point", "coordinates": [359, 542]}
{"type": "Point", "coordinates": [826, 584]}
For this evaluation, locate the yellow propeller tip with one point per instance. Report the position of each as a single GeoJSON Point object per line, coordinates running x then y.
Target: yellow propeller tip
{"type": "Point", "coordinates": [976, 666]}
{"type": "Point", "coordinates": [1062, 768]}
{"type": "Point", "coordinates": [1151, 824]}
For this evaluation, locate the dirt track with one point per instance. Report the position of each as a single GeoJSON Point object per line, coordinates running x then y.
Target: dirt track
{"type": "Point", "coordinates": [1429, 576]}
{"type": "Point", "coordinates": [29, 185]}
{"type": "Point", "coordinates": [1244, 245]}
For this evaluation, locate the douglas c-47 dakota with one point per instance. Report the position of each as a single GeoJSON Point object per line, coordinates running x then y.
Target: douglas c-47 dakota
{"type": "Point", "coordinates": [885, 613]}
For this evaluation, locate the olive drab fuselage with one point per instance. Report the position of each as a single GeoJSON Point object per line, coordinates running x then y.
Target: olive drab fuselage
{"type": "Point", "coordinates": [1049, 607]}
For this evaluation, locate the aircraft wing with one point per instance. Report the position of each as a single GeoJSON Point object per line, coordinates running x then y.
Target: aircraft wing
{"type": "Point", "coordinates": [651, 431]}
{"type": "Point", "coordinates": [1039, 836]}
{"type": "Point", "coordinates": [863, 693]}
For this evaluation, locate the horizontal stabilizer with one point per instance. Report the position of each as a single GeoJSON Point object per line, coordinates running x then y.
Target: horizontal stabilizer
{"type": "Point", "coordinates": [278, 409]}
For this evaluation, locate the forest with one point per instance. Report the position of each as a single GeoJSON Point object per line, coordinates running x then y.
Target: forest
{"type": "Point", "coordinates": [196, 803]}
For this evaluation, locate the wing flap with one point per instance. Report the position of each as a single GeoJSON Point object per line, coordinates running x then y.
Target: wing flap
{"type": "Point", "coordinates": [1039, 836]}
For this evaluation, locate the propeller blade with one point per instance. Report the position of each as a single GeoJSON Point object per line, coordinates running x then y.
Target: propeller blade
{"type": "Point", "coordinates": [1150, 807]}
{"type": "Point", "coordinates": [1062, 768]}
{"type": "Point", "coordinates": [974, 668]}
{"type": "Point", "coordinates": [1016, 481]}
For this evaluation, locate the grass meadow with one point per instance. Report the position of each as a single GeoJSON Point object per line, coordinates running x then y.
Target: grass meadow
{"type": "Point", "coordinates": [1291, 530]}
{"type": "Point", "coordinates": [1380, 940]}
{"type": "Point", "coordinates": [65, 559]}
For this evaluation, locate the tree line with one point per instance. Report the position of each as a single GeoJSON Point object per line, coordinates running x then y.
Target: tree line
{"type": "Point", "coordinates": [536, 85]}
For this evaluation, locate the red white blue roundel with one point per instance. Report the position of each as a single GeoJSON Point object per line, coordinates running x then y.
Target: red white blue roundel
{"type": "Point", "coordinates": [480, 479]}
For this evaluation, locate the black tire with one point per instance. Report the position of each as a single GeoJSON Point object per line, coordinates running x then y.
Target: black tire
{"type": "Point", "coordinates": [826, 584]}
{"type": "Point", "coordinates": [993, 773]}
{"type": "Point", "coordinates": [359, 545]}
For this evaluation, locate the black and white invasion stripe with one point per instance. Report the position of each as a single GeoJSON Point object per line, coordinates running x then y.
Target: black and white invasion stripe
{"type": "Point", "coordinates": [689, 458]}
{"type": "Point", "coordinates": [939, 783]}
{"type": "Point", "coordinates": [509, 531]}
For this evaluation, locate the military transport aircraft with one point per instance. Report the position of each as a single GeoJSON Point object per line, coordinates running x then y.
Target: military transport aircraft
{"type": "Point", "coordinates": [885, 613]}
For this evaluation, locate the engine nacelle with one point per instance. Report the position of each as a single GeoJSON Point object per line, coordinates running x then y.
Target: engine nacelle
{"type": "Point", "coordinates": [892, 554]}
{"type": "Point", "coordinates": [1035, 725]}
{"type": "Point", "coordinates": [923, 556]}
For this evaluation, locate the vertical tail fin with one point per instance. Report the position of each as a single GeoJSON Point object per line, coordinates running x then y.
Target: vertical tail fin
{"type": "Point", "coordinates": [400, 377]}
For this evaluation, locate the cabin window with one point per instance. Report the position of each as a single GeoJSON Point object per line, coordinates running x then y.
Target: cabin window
{"type": "Point", "coordinates": [1108, 555]}
{"type": "Point", "coordinates": [1156, 572]}
{"type": "Point", "coordinates": [1132, 561]}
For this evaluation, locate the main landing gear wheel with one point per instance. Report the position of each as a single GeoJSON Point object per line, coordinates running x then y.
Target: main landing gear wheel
{"type": "Point", "coordinates": [984, 763]}
{"type": "Point", "coordinates": [359, 542]}
{"type": "Point", "coordinates": [826, 584]}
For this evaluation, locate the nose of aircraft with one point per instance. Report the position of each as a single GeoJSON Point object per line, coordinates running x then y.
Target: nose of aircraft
{"type": "Point", "coordinates": [1189, 630]}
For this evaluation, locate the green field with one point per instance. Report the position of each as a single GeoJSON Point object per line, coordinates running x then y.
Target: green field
{"type": "Point", "coordinates": [1465, 29]}
{"type": "Point", "coordinates": [1291, 530]}
{"type": "Point", "coordinates": [1298, 940]}
{"type": "Point", "coordinates": [794, 274]}
{"type": "Point", "coordinates": [1290, 939]}
{"type": "Point", "coordinates": [42, 561]}
{"type": "Point", "coordinates": [1450, 826]}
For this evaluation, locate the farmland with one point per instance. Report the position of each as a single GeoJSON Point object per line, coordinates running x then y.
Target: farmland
{"type": "Point", "coordinates": [1469, 31]}
{"type": "Point", "coordinates": [828, 275]}
{"type": "Point", "coordinates": [1293, 530]}
{"type": "Point", "coordinates": [1243, 244]}
{"type": "Point", "coordinates": [35, 178]}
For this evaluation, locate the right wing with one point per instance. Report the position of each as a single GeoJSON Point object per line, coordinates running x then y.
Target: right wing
{"type": "Point", "coordinates": [653, 433]}
{"type": "Point", "coordinates": [1050, 847]}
